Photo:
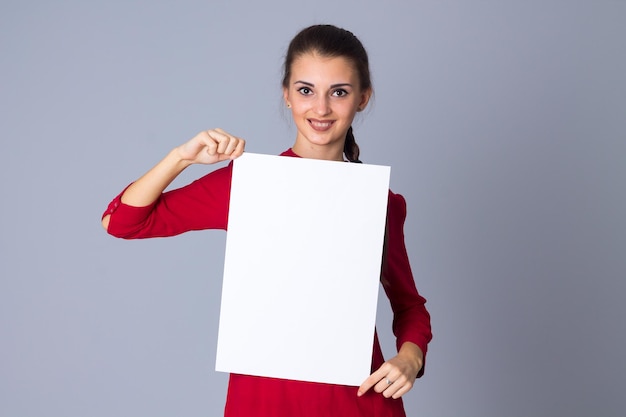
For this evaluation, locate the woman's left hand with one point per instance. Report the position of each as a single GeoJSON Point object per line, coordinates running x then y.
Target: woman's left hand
{"type": "Point", "coordinates": [396, 376]}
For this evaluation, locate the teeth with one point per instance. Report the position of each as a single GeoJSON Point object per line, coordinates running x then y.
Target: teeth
{"type": "Point", "coordinates": [321, 124]}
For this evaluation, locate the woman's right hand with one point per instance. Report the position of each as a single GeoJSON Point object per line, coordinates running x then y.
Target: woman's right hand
{"type": "Point", "coordinates": [211, 146]}
{"type": "Point", "coordinates": [206, 147]}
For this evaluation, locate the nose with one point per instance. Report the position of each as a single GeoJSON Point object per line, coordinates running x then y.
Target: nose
{"type": "Point", "coordinates": [322, 106]}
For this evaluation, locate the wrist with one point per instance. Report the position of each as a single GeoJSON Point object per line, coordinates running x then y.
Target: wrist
{"type": "Point", "coordinates": [176, 159]}
{"type": "Point", "coordinates": [412, 353]}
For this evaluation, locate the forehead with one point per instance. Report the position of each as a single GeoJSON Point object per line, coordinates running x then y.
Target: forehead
{"type": "Point", "coordinates": [318, 69]}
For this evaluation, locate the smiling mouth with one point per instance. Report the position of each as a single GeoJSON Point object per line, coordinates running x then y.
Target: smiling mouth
{"type": "Point", "coordinates": [320, 125]}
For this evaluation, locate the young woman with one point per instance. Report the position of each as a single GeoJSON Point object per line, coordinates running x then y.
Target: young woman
{"type": "Point", "coordinates": [326, 82]}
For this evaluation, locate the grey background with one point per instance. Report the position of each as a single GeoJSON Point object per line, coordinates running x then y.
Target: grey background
{"type": "Point", "coordinates": [504, 123]}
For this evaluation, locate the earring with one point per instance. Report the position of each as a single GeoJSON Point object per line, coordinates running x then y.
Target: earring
{"type": "Point", "coordinates": [288, 105]}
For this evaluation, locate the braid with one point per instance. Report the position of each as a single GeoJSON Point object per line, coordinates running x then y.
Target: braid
{"type": "Point", "coordinates": [350, 148]}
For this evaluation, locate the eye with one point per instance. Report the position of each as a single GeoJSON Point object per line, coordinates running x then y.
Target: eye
{"type": "Point", "coordinates": [305, 91]}
{"type": "Point", "coordinates": [340, 92]}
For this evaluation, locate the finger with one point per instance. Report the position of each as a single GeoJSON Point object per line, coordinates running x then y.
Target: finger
{"type": "Point", "coordinates": [221, 135]}
{"type": "Point", "coordinates": [373, 380]}
{"type": "Point", "coordinates": [231, 145]}
{"type": "Point", "coordinates": [238, 149]}
{"type": "Point", "coordinates": [214, 135]}
{"type": "Point", "coordinates": [210, 140]}
{"type": "Point", "coordinates": [365, 386]}
{"type": "Point", "coordinates": [233, 150]}
{"type": "Point", "coordinates": [226, 143]}
{"type": "Point", "coordinates": [392, 382]}
{"type": "Point", "coordinates": [386, 385]}
{"type": "Point", "coordinates": [400, 386]}
{"type": "Point", "coordinates": [223, 145]}
{"type": "Point", "coordinates": [403, 390]}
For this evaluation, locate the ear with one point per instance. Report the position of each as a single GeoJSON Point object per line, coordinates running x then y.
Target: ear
{"type": "Point", "coordinates": [286, 97]}
{"type": "Point", "coordinates": [365, 98]}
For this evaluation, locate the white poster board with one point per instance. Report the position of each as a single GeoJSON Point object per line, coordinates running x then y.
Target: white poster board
{"type": "Point", "coordinates": [302, 268]}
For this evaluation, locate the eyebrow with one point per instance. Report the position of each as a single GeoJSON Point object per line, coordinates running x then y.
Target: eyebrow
{"type": "Point", "coordinates": [332, 86]}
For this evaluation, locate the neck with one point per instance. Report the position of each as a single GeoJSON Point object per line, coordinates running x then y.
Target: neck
{"type": "Point", "coordinates": [329, 153]}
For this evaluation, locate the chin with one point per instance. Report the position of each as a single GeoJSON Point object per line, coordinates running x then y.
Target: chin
{"type": "Point", "coordinates": [322, 140]}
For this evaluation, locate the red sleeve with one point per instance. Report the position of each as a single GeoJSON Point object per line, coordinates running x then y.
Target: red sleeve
{"type": "Point", "coordinates": [411, 322]}
{"type": "Point", "coordinates": [203, 204]}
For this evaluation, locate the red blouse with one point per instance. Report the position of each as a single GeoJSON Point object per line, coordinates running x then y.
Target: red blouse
{"type": "Point", "coordinates": [203, 204]}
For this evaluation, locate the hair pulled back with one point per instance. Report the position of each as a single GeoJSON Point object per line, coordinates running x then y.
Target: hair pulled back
{"type": "Point", "coordinates": [331, 41]}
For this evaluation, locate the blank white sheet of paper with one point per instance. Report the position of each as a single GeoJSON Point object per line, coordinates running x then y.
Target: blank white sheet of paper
{"type": "Point", "coordinates": [302, 268]}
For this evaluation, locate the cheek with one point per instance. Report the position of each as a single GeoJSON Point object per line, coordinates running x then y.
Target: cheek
{"type": "Point", "coordinates": [349, 110]}
{"type": "Point", "coordinates": [296, 108]}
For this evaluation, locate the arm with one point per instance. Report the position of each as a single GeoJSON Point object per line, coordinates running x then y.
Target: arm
{"type": "Point", "coordinates": [411, 323]}
{"type": "Point", "coordinates": [136, 203]}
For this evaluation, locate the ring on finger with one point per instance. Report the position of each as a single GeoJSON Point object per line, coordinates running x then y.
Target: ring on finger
{"type": "Point", "coordinates": [388, 381]}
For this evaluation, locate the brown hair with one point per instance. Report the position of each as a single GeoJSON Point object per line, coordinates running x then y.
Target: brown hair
{"type": "Point", "coordinates": [331, 41]}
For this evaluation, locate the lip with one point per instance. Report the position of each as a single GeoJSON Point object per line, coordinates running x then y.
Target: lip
{"type": "Point", "coordinates": [320, 125]}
